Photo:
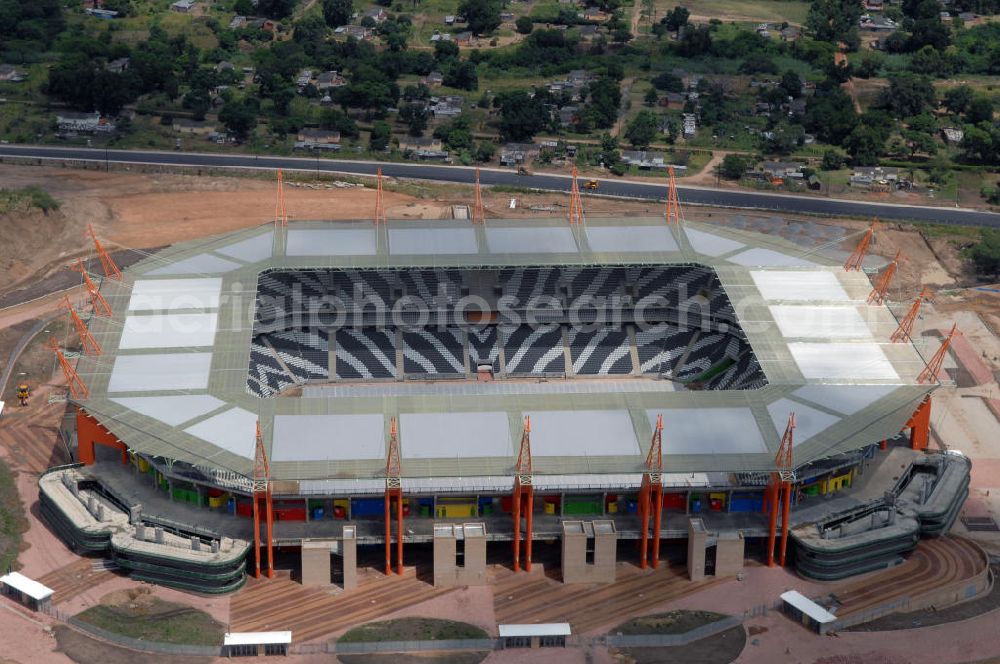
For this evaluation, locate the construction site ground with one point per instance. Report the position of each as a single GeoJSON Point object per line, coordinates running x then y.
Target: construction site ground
{"type": "Point", "coordinates": [145, 211]}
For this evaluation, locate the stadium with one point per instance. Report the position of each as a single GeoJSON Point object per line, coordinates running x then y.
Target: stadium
{"type": "Point", "coordinates": [333, 385]}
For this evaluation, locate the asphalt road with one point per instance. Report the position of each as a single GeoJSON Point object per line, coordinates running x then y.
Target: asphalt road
{"type": "Point", "coordinates": [787, 203]}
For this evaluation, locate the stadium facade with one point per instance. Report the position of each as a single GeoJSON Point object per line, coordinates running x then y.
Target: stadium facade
{"type": "Point", "coordinates": [347, 343]}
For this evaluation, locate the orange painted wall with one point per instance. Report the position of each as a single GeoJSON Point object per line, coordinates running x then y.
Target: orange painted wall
{"type": "Point", "coordinates": [89, 432]}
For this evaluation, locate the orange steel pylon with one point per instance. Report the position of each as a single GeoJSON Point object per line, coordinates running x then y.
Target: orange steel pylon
{"type": "Point", "coordinates": [780, 487]}
{"type": "Point", "coordinates": [77, 388]}
{"type": "Point", "coordinates": [575, 204]}
{"type": "Point", "coordinates": [523, 499]}
{"type": "Point", "coordinates": [262, 493]}
{"type": "Point", "coordinates": [877, 296]}
{"type": "Point", "coordinates": [857, 257]}
{"type": "Point", "coordinates": [87, 341]}
{"type": "Point", "coordinates": [651, 495]}
{"type": "Point", "coordinates": [380, 217]}
{"type": "Point", "coordinates": [111, 270]}
{"type": "Point", "coordinates": [393, 490]}
{"type": "Point", "coordinates": [478, 211]}
{"type": "Point", "coordinates": [905, 328]}
{"type": "Point", "coordinates": [101, 306]}
{"type": "Point", "coordinates": [280, 213]}
{"type": "Point", "coordinates": [673, 209]}
{"type": "Point", "coordinates": [933, 368]}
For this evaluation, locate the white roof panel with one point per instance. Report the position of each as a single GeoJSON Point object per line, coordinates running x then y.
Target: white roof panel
{"type": "Point", "coordinates": [172, 410]}
{"type": "Point", "coordinates": [197, 264]}
{"type": "Point", "coordinates": [709, 431]}
{"type": "Point", "coordinates": [768, 257]}
{"type": "Point", "coordinates": [168, 331]}
{"type": "Point", "coordinates": [582, 433]}
{"type": "Point", "coordinates": [234, 430]}
{"type": "Point", "coordinates": [167, 371]}
{"type": "Point", "coordinates": [846, 399]}
{"type": "Point", "coordinates": [345, 241]}
{"type": "Point", "coordinates": [808, 421]}
{"type": "Point", "coordinates": [255, 638]}
{"type": "Point", "coordinates": [251, 250]}
{"type": "Point", "coordinates": [454, 435]}
{"type": "Point", "coordinates": [820, 322]}
{"type": "Point", "coordinates": [535, 629]}
{"type": "Point", "coordinates": [429, 241]}
{"type": "Point", "coordinates": [328, 437]}
{"type": "Point", "coordinates": [846, 361]}
{"type": "Point", "coordinates": [29, 587]}
{"type": "Point", "coordinates": [537, 240]}
{"type": "Point", "coordinates": [808, 607]}
{"type": "Point", "coordinates": [711, 244]}
{"type": "Point", "coordinates": [799, 285]}
{"type": "Point", "coordinates": [170, 294]}
{"type": "Point", "coordinates": [630, 238]}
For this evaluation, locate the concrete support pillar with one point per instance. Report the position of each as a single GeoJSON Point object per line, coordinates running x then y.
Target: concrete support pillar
{"type": "Point", "coordinates": [349, 552]}
{"type": "Point", "coordinates": [697, 539]}
{"type": "Point", "coordinates": [589, 551]}
{"type": "Point", "coordinates": [450, 569]}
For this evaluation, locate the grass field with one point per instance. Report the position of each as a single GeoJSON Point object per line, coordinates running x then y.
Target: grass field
{"type": "Point", "coordinates": [740, 11]}
{"type": "Point", "coordinates": [12, 521]}
{"type": "Point", "coordinates": [672, 622]}
{"type": "Point", "coordinates": [156, 620]}
{"type": "Point", "coordinates": [413, 629]}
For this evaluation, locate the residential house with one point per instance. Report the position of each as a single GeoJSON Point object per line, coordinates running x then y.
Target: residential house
{"type": "Point", "coordinates": [237, 22]}
{"type": "Point", "coordinates": [673, 100]}
{"type": "Point", "coordinates": [594, 14]}
{"type": "Point", "coordinates": [9, 73]}
{"type": "Point", "coordinates": [871, 176]}
{"type": "Point", "coordinates": [225, 65]}
{"type": "Point", "coordinates": [105, 14]}
{"type": "Point", "coordinates": [304, 78]}
{"type": "Point", "coordinates": [791, 33]}
{"type": "Point", "coordinates": [441, 36]}
{"type": "Point", "coordinates": [763, 31]}
{"type": "Point", "coordinates": [378, 14]}
{"type": "Point", "coordinates": [449, 19]}
{"type": "Point", "coordinates": [646, 159]}
{"type": "Point", "coordinates": [952, 134]}
{"type": "Point", "coordinates": [330, 79]}
{"type": "Point", "coordinates": [359, 32]}
{"type": "Point", "coordinates": [589, 33]}
{"type": "Point", "coordinates": [580, 77]}
{"type": "Point", "coordinates": [568, 116]}
{"type": "Point", "coordinates": [968, 18]}
{"type": "Point", "coordinates": [85, 122]}
{"type": "Point", "coordinates": [193, 127]}
{"type": "Point", "coordinates": [423, 148]}
{"type": "Point", "coordinates": [507, 17]}
{"type": "Point", "coordinates": [782, 170]}
{"type": "Point", "coordinates": [446, 105]}
{"type": "Point", "coordinates": [262, 24]}
{"type": "Point", "coordinates": [310, 138]}
{"type": "Point", "coordinates": [463, 37]}
{"type": "Point", "coordinates": [183, 6]}
{"type": "Point", "coordinates": [513, 154]}
{"type": "Point", "coordinates": [874, 5]}
{"type": "Point", "coordinates": [689, 125]}
{"type": "Point", "coordinates": [118, 65]}
{"type": "Point", "coordinates": [796, 107]}
{"type": "Point", "coordinates": [433, 79]}
{"type": "Point", "coordinates": [877, 23]}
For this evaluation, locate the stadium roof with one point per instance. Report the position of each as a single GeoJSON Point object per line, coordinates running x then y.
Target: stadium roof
{"type": "Point", "coordinates": [171, 381]}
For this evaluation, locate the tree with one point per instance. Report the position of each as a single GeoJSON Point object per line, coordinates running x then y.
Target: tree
{"type": "Point", "coordinates": [485, 151]}
{"type": "Point", "coordinates": [521, 116]}
{"type": "Point", "coordinates": [791, 84]}
{"type": "Point", "coordinates": [830, 20]}
{"type": "Point", "coordinates": [378, 141]}
{"type": "Point", "coordinates": [337, 12]}
{"type": "Point", "coordinates": [445, 50]}
{"type": "Point", "coordinates": [668, 81]}
{"type": "Point", "coordinates": [832, 161]}
{"type": "Point", "coordinates": [651, 97]}
{"type": "Point", "coordinates": [605, 100]}
{"type": "Point", "coordinates": [957, 100]}
{"type": "Point", "coordinates": [985, 254]}
{"type": "Point", "coordinates": [676, 18]}
{"type": "Point", "coordinates": [980, 109]}
{"type": "Point", "coordinates": [830, 115]}
{"type": "Point", "coordinates": [784, 138]}
{"type": "Point", "coordinates": [696, 40]}
{"type": "Point", "coordinates": [275, 8]}
{"type": "Point", "coordinates": [865, 145]}
{"type": "Point", "coordinates": [524, 25]}
{"type": "Point", "coordinates": [733, 166]}
{"type": "Point", "coordinates": [977, 143]}
{"type": "Point", "coordinates": [334, 118]}
{"type": "Point", "coordinates": [482, 16]}
{"type": "Point", "coordinates": [243, 7]}
{"type": "Point", "coordinates": [415, 116]}
{"type": "Point", "coordinates": [462, 75]}
{"type": "Point", "coordinates": [239, 117]}
{"type": "Point", "coordinates": [643, 128]}
{"type": "Point", "coordinates": [908, 95]}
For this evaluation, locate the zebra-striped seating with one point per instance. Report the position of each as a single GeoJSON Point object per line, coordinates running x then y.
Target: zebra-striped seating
{"type": "Point", "coordinates": [366, 353]}
{"type": "Point", "coordinates": [431, 351]}
{"type": "Point", "coordinates": [600, 352]}
{"type": "Point", "coordinates": [661, 346]}
{"type": "Point", "coordinates": [533, 351]}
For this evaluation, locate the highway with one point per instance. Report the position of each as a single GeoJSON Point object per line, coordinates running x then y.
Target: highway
{"type": "Point", "coordinates": [654, 190]}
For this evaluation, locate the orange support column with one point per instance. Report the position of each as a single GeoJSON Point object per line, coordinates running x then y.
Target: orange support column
{"type": "Point", "coordinates": [529, 499]}
{"type": "Point", "coordinates": [643, 523]}
{"type": "Point", "coordinates": [772, 523]}
{"type": "Point", "coordinates": [785, 508]}
{"type": "Point", "coordinates": [657, 519]}
{"type": "Point", "coordinates": [920, 426]}
{"type": "Point", "coordinates": [256, 537]}
{"type": "Point", "coordinates": [884, 445]}
{"type": "Point", "coordinates": [515, 506]}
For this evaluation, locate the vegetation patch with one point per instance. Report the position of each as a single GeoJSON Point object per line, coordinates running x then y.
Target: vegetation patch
{"type": "Point", "coordinates": [672, 622]}
{"type": "Point", "coordinates": [12, 521]}
{"type": "Point", "coordinates": [138, 615]}
{"type": "Point", "coordinates": [13, 200]}
{"type": "Point", "coordinates": [413, 629]}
